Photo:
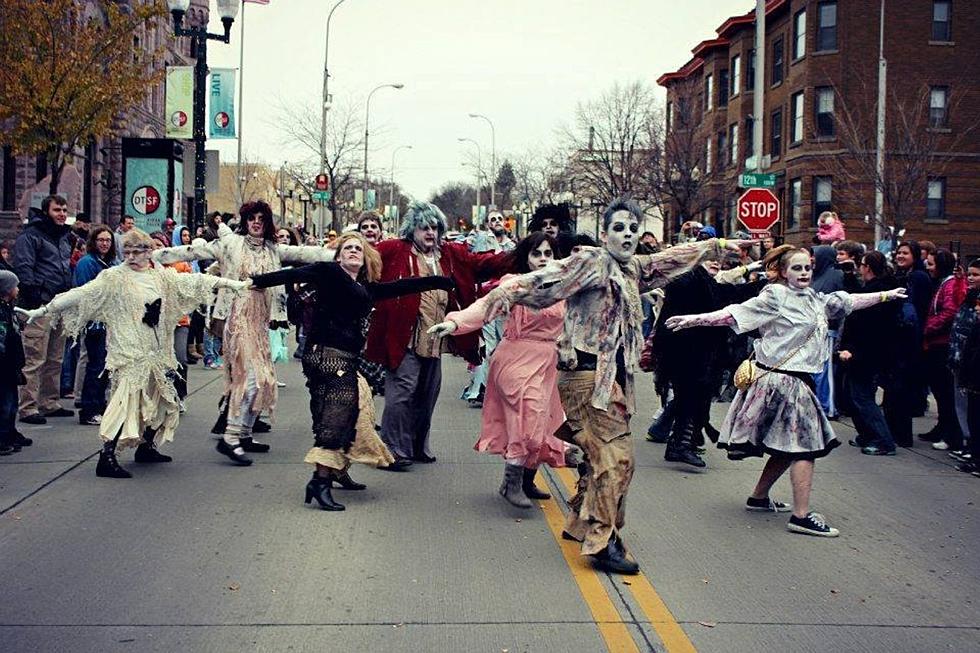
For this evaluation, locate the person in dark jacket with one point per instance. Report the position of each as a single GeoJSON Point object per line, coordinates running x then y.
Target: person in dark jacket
{"type": "Point", "coordinates": [42, 255]}
{"type": "Point", "coordinates": [867, 348]}
{"type": "Point", "coordinates": [11, 366]}
{"type": "Point", "coordinates": [967, 371]}
{"type": "Point", "coordinates": [963, 324]}
{"type": "Point", "coordinates": [101, 255]}
{"type": "Point", "coordinates": [687, 360]}
{"type": "Point", "coordinates": [7, 255]}
{"type": "Point", "coordinates": [910, 272]}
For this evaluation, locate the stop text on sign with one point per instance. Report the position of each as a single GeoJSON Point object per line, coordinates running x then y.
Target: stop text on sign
{"type": "Point", "coordinates": [763, 210]}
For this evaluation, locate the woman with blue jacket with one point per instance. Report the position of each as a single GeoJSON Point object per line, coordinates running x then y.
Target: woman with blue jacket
{"type": "Point", "coordinates": [101, 254]}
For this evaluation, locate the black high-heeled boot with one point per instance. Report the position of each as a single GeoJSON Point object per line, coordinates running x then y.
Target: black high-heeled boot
{"type": "Point", "coordinates": [344, 480]}
{"type": "Point", "coordinates": [108, 466]}
{"type": "Point", "coordinates": [319, 488]}
{"type": "Point", "coordinates": [679, 447]}
{"type": "Point", "coordinates": [531, 491]}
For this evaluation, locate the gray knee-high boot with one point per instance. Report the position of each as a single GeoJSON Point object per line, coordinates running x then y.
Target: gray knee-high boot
{"type": "Point", "coordinates": [511, 489]}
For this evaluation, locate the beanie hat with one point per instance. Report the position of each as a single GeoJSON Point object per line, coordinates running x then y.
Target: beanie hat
{"type": "Point", "coordinates": [8, 281]}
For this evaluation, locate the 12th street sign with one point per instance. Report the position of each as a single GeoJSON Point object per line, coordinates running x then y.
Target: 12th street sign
{"type": "Point", "coordinates": [758, 209]}
{"type": "Point", "coordinates": [757, 180]}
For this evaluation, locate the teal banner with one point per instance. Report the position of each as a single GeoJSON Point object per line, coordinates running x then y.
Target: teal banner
{"type": "Point", "coordinates": [147, 198]}
{"type": "Point", "coordinates": [222, 101]}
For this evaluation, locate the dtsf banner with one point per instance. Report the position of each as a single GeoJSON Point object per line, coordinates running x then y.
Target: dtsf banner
{"type": "Point", "coordinates": [179, 104]}
{"type": "Point", "coordinates": [222, 114]}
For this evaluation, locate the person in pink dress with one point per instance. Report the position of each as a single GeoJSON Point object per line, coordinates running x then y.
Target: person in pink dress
{"type": "Point", "coordinates": [522, 408]}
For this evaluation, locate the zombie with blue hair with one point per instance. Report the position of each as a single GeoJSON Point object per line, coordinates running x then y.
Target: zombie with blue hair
{"type": "Point", "coordinates": [398, 339]}
{"type": "Point", "coordinates": [598, 355]}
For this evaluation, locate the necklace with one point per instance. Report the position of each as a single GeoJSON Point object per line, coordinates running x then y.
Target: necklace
{"type": "Point", "coordinates": [254, 242]}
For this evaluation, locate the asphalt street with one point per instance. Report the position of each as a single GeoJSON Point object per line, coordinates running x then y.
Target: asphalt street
{"type": "Point", "coordinates": [199, 555]}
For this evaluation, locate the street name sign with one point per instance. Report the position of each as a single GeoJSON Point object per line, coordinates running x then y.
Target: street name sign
{"type": "Point", "coordinates": [757, 180]}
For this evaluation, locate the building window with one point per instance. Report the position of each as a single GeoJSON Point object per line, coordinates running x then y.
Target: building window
{"type": "Point", "coordinates": [736, 75]}
{"type": "Point", "coordinates": [777, 61]}
{"type": "Point", "coordinates": [9, 178]}
{"type": "Point", "coordinates": [938, 106]}
{"type": "Point", "coordinates": [827, 26]}
{"type": "Point", "coordinates": [942, 20]}
{"type": "Point", "coordinates": [824, 110]}
{"type": "Point", "coordinates": [750, 72]}
{"type": "Point", "coordinates": [733, 141]}
{"type": "Point", "coordinates": [723, 88]}
{"type": "Point", "coordinates": [799, 34]}
{"type": "Point", "coordinates": [722, 149]}
{"type": "Point", "coordinates": [707, 157]}
{"type": "Point", "coordinates": [936, 198]}
{"type": "Point", "coordinates": [708, 92]}
{"type": "Point", "coordinates": [776, 135]}
{"type": "Point", "coordinates": [823, 195]}
{"type": "Point", "coordinates": [795, 204]}
{"type": "Point", "coordinates": [796, 118]}
{"type": "Point", "coordinates": [670, 108]}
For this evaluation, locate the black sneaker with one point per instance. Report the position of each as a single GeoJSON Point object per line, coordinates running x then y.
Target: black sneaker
{"type": "Point", "coordinates": [765, 505]}
{"type": "Point", "coordinates": [261, 427]}
{"type": "Point", "coordinates": [60, 412]}
{"type": "Point", "coordinates": [20, 440]}
{"type": "Point", "coordinates": [812, 524]}
{"type": "Point", "coordinates": [36, 418]}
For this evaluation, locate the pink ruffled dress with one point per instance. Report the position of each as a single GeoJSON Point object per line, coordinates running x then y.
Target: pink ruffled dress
{"type": "Point", "coordinates": [521, 408]}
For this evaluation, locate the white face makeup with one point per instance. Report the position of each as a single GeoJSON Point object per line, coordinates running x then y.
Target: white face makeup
{"type": "Point", "coordinates": [371, 231]}
{"type": "Point", "coordinates": [621, 236]}
{"type": "Point", "coordinates": [137, 258]}
{"type": "Point", "coordinates": [550, 227]}
{"type": "Point", "coordinates": [798, 271]}
{"type": "Point", "coordinates": [496, 223]}
{"type": "Point", "coordinates": [256, 226]}
{"type": "Point", "coordinates": [539, 257]}
{"type": "Point", "coordinates": [351, 256]}
{"type": "Point", "coordinates": [426, 238]}
{"type": "Point", "coordinates": [713, 267]}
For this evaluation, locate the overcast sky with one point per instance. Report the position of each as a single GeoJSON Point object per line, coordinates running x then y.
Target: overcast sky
{"type": "Point", "coordinates": [523, 63]}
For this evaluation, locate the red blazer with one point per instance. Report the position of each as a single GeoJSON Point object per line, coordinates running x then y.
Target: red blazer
{"type": "Point", "coordinates": [945, 303]}
{"type": "Point", "coordinates": [393, 319]}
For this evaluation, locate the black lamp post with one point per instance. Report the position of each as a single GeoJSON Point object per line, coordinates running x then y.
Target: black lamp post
{"type": "Point", "coordinates": [228, 10]}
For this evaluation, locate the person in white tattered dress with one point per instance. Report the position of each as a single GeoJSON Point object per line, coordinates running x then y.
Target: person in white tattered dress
{"type": "Point", "coordinates": [250, 376]}
{"type": "Point", "coordinates": [139, 305]}
{"type": "Point", "coordinates": [779, 414]}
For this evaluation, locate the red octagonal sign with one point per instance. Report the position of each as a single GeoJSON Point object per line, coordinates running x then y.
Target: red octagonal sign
{"type": "Point", "coordinates": [758, 209]}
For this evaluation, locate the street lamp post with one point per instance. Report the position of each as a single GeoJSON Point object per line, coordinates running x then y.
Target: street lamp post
{"type": "Point", "coordinates": [228, 10]}
{"type": "Point", "coordinates": [325, 108]}
{"type": "Point", "coordinates": [367, 121]}
{"type": "Point", "coordinates": [391, 188]}
{"type": "Point", "coordinates": [479, 170]}
{"type": "Point", "coordinates": [493, 158]}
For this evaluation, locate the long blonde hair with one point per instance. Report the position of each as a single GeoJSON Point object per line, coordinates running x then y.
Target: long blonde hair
{"type": "Point", "coordinates": [371, 270]}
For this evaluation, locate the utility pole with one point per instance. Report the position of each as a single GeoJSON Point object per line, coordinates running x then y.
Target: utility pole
{"type": "Point", "coordinates": [324, 109]}
{"type": "Point", "coordinates": [880, 156]}
{"type": "Point", "coordinates": [759, 83]}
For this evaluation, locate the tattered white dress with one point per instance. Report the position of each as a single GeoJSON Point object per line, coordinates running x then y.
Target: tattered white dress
{"type": "Point", "coordinates": [779, 413]}
{"type": "Point", "coordinates": [140, 358]}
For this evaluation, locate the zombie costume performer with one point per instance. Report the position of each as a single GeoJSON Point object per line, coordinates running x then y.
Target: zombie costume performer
{"type": "Point", "coordinates": [599, 353]}
{"type": "Point", "coordinates": [779, 412]}
{"type": "Point", "coordinates": [398, 337]}
{"type": "Point", "coordinates": [139, 305]}
{"type": "Point", "coordinates": [522, 409]}
{"type": "Point", "coordinates": [250, 376]}
{"type": "Point", "coordinates": [340, 401]}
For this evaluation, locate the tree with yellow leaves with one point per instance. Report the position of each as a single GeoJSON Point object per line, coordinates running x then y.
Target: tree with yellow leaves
{"type": "Point", "coordinates": [68, 70]}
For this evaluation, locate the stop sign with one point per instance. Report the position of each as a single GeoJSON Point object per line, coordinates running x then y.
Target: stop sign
{"type": "Point", "coordinates": [322, 182]}
{"type": "Point", "coordinates": [758, 209]}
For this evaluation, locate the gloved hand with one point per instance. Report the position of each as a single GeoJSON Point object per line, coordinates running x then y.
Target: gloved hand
{"type": "Point", "coordinates": [31, 314]}
{"type": "Point", "coordinates": [442, 329]}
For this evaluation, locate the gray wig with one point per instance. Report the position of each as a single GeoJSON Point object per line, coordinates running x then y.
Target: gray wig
{"type": "Point", "coordinates": [422, 214]}
{"type": "Point", "coordinates": [621, 204]}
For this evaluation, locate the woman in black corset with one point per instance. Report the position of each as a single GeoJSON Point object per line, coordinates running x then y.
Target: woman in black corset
{"type": "Point", "coordinates": [340, 399]}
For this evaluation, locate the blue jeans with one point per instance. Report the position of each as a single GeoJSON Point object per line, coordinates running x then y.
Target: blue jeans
{"type": "Point", "coordinates": [68, 364]}
{"type": "Point", "coordinates": [212, 349]}
{"type": "Point", "coordinates": [869, 421]}
{"type": "Point", "coordinates": [96, 382]}
{"type": "Point", "coordinates": [8, 412]}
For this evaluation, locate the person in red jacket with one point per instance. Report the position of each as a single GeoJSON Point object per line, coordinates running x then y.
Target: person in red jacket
{"type": "Point", "coordinates": [398, 339]}
{"type": "Point", "coordinates": [950, 292]}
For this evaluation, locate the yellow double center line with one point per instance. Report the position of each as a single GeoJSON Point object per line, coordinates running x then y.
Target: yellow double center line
{"type": "Point", "coordinates": [612, 627]}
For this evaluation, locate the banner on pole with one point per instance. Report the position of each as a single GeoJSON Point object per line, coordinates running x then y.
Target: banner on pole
{"type": "Point", "coordinates": [179, 104]}
{"type": "Point", "coordinates": [222, 111]}
{"type": "Point", "coordinates": [359, 199]}
{"type": "Point", "coordinates": [371, 201]}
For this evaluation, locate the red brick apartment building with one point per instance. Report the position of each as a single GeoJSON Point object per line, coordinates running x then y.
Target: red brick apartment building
{"type": "Point", "coordinates": [821, 85]}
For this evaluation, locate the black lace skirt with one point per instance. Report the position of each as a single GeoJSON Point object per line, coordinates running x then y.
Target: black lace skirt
{"type": "Point", "coordinates": [331, 376]}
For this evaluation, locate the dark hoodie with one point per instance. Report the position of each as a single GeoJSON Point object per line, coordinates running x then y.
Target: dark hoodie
{"type": "Point", "coordinates": [826, 277]}
{"type": "Point", "coordinates": [42, 260]}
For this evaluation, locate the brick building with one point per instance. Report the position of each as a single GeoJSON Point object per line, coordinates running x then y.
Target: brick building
{"type": "Point", "coordinates": [92, 183]}
{"type": "Point", "coordinates": [819, 121]}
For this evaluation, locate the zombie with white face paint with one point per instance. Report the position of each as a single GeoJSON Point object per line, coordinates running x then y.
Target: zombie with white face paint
{"type": "Point", "coordinates": [779, 413]}
{"type": "Point", "coordinates": [556, 221]}
{"type": "Point", "coordinates": [491, 235]}
{"type": "Point", "coordinates": [369, 226]}
{"type": "Point", "coordinates": [250, 376]}
{"type": "Point", "coordinates": [599, 352]}
{"type": "Point", "coordinates": [139, 304]}
{"type": "Point", "coordinates": [398, 337]}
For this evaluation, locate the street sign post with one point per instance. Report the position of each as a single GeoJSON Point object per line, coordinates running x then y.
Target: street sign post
{"type": "Point", "coordinates": [757, 180]}
{"type": "Point", "coordinates": [758, 209]}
